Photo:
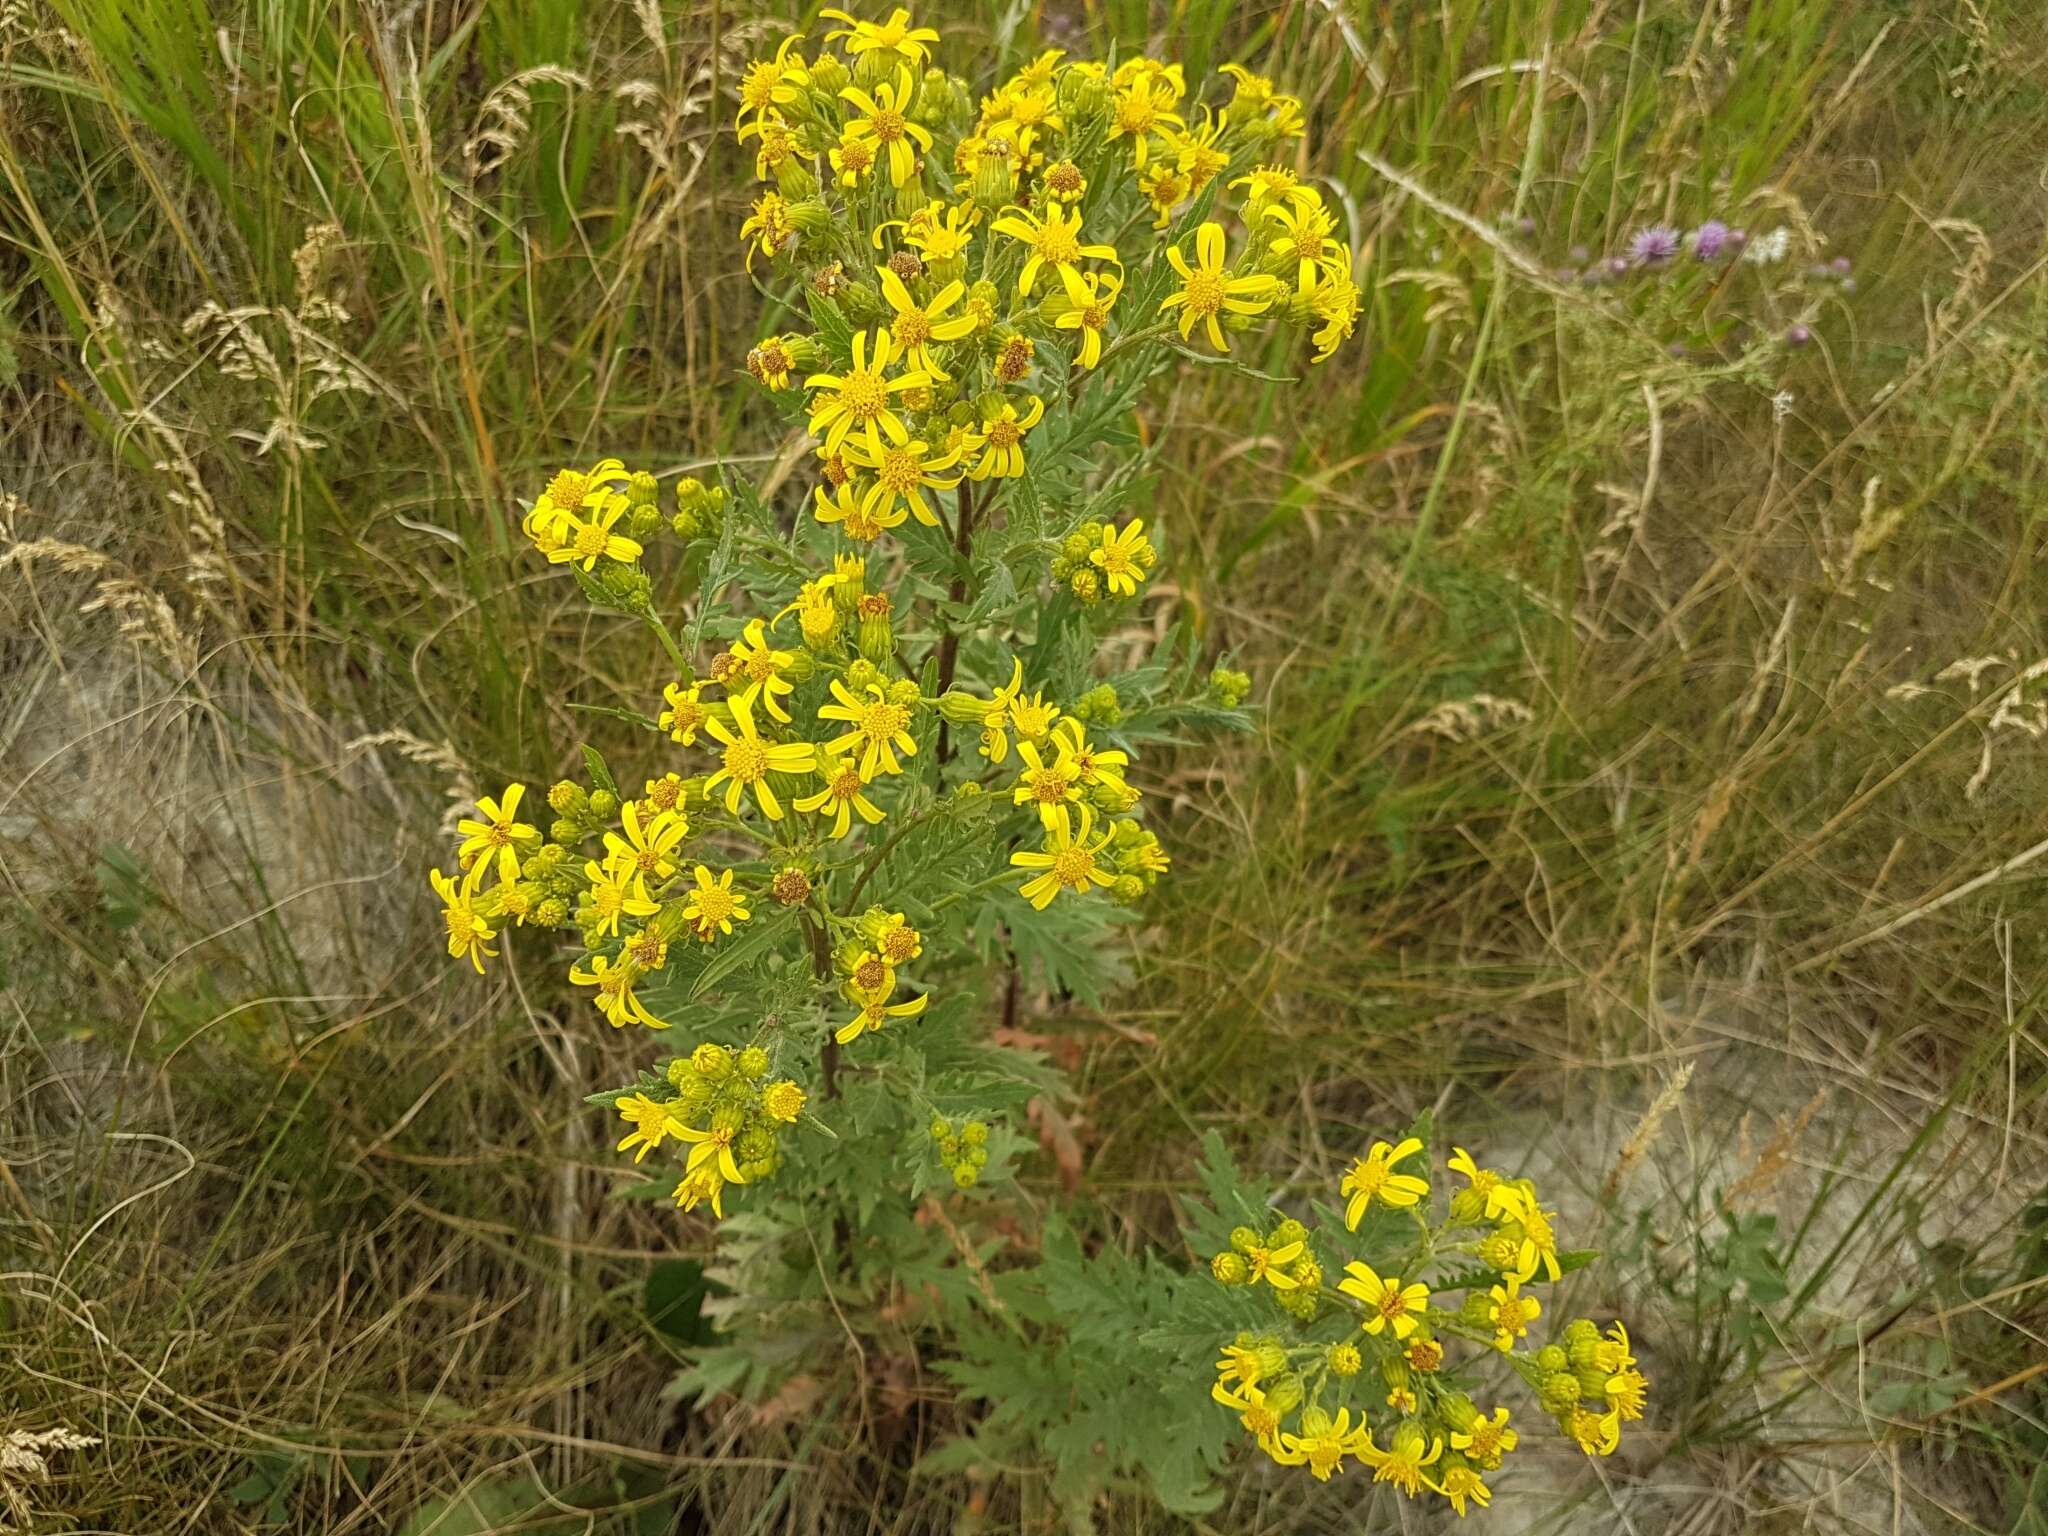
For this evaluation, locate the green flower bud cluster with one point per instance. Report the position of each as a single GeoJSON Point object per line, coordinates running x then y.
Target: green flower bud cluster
{"type": "Point", "coordinates": [579, 813]}
{"type": "Point", "coordinates": [700, 509]}
{"type": "Point", "coordinates": [1075, 548]}
{"type": "Point", "coordinates": [962, 1148]}
{"type": "Point", "coordinates": [721, 1088]}
{"type": "Point", "coordinates": [548, 884]}
{"type": "Point", "coordinates": [1098, 706]}
{"type": "Point", "coordinates": [1229, 688]}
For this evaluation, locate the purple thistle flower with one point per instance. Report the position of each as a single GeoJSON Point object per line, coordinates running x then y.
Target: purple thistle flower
{"type": "Point", "coordinates": [1710, 240]}
{"type": "Point", "coordinates": [1654, 246]}
{"type": "Point", "coordinates": [1798, 336]}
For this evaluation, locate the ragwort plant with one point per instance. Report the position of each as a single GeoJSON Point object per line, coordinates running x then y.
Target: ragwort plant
{"type": "Point", "coordinates": [898, 769]}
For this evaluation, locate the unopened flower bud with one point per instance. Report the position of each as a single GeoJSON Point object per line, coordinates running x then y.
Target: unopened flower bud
{"type": "Point", "coordinates": [604, 805]}
{"type": "Point", "coordinates": [753, 1063]}
{"type": "Point", "coordinates": [1345, 1360]}
{"type": "Point", "coordinates": [1230, 1268]}
{"type": "Point", "coordinates": [711, 1060]}
{"type": "Point", "coordinates": [566, 798]}
{"type": "Point", "coordinates": [1244, 1239]}
{"type": "Point", "coordinates": [1559, 1392]}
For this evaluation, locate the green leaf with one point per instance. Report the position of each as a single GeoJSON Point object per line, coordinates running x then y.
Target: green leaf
{"type": "Point", "coordinates": [600, 775]}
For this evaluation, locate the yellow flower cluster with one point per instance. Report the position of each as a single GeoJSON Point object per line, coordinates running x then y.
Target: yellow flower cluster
{"type": "Point", "coordinates": [1302, 1399]}
{"type": "Point", "coordinates": [739, 1139]}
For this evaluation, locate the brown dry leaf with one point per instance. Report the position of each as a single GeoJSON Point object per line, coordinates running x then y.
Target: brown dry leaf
{"type": "Point", "coordinates": [795, 1398]}
{"type": "Point", "coordinates": [1057, 1135]}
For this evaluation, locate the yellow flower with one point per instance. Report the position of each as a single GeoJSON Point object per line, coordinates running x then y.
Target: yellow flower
{"type": "Point", "coordinates": [903, 471]}
{"type": "Point", "coordinates": [1032, 717]}
{"type": "Point", "coordinates": [916, 326]}
{"type": "Point", "coordinates": [880, 729]}
{"type": "Point", "coordinates": [884, 122]}
{"type": "Point", "coordinates": [1372, 1177]}
{"type": "Point", "coordinates": [1054, 240]}
{"type": "Point", "coordinates": [858, 400]}
{"type": "Point", "coordinates": [1462, 1483]}
{"type": "Point", "coordinates": [1401, 1463]}
{"type": "Point", "coordinates": [761, 666]}
{"type": "Point", "coordinates": [1501, 1198]}
{"type": "Point", "coordinates": [700, 1185]}
{"type": "Point", "coordinates": [1388, 1302]}
{"type": "Point", "coordinates": [1084, 306]}
{"type": "Point", "coordinates": [844, 795]}
{"type": "Point", "coordinates": [685, 713]}
{"type": "Point", "coordinates": [897, 35]}
{"type": "Point", "coordinates": [1613, 1353]}
{"type": "Point", "coordinates": [615, 999]}
{"type": "Point", "coordinates": [548, 520]}
{"type": "Point", "coordinates": [1140, 70]}
{"type": "Point", "coordinates": [769, 361]}
{"type": "Point", "coordinates": [861, 517]}
{"type": "Point", "coordinates": [1487, 1441]}
{"type": "Point", "coordinates": [494, 841]}
{"type": "Point", "coordinates": [1259, 1421]}
{"type": "Point", "coordinates": [714, 906]}
{"type": "Point", "coordinates": [1039, 70]}
{"type": "Point", "coordinates": [748, 760]}
{"type": "Point", "coordinates": [874, 1013]}
{"type": "Point", "coordinates": [771, 83]}
{"type": "Point", "coordinates": [1308, 239]}
{"type": "Point", "coordinates": [1207, 290]}
{"type": "Point", "coordinates": [1123, 557]}
{"type": "Point", "coordinates": [852, 157]}
{"type": "Point", "coordinates": [1597, 1434]}
{"type": "Point", "coordinates": [1144, 107]}
{"type": "Point", "coordinates": [776, 149]}
{"type": "Point", "coordinates": [1068, 862]}
{"type": "Point", "coordinates": [1197, 153]}
{"type": "Point", "coordinates": [616, 891]}
{"type": "Point", "coordinates": [651, 1122]}
{"type": "Point", "coordinates": [712, 1148]}
{"type": "Point", "coordinates": [1002, 454]}
{"type": "Point", "coordinates": [936, 232]}
{"type": "Point", "coordinates": [1165, 187]}
{"type": "Point", "coordinates": [1511, 1313]}
{"type": "Point", "coordinates": [1324, 1442]}
{"type": "Point", "coordinates": [1628, 1392]}
{"type": "Point", "coordinates": [767, 228]}
{"type": "Point", "coordinates": [1266, 185]}
{"type": "Point", "coordinates": [588, 539]}
{"type": "Point", "coordinates": [896, 939]}
{"type": "Point", "coordinates": [995, 720]}
{"type": "Point", "coordinates": [468, 934]}
{"type": "Point", "coordinates": [648, 843]}
{"type": "Point", "coordinates": [1539, 1245]}
{"type": "Point", "coordinates": [1064, 183]}
{"type": "Point", "coordinates": [783, 1101]}
{"type": "Point", "coordinates": [1334, 303]}
{"type": "Point", "coordinates": [1052, 787]}
{"type": "Point", "coordinates": [1090, 765]}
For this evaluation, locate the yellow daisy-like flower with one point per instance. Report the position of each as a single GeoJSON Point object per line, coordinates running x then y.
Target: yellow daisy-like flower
{"type": "Point", "coordinates": [1054, 240]}
{"type": "Point", "coordinates": [770, 361]}
{"type": "Point", "coordinates": [1324, 1442]}
{"type": "Point", "coordinates": [1614, 1353]}
{"type": "Point", "coordinates": [874, 1013]}
{"type": "Point", "coordinates": [651, 1122]}
{"type": "Point", "coordinates": [1197, 153]}
{"type": "Point", "coordinates": [1089, 764]}
{"type": "Point", "coordinates": [1207, 291]}
{"type": "Point", "coordinates": [760, 667]}
{"type": "Point", "coordinates": [1083, 306]}
{"type": "Point", "coordinates": [1539, 1245]}
{"type": "Point", "coordinates": [1240, 1365]}
{"type": "Point", "coordinates": [899, 35]}
{"type": "Point", "coordinates": [860, 516]}
{"type": "Point", "coordinates": [1144, 108]}
{"type": "Point", "coordinates": [1597, 1434]}
{"type": "Point", "coordinates": [493, 837]}
{"type": "Point", "coordinates": [614, 983]}
{"type": "Point", "coordinates": [1063, 182]}
{"type": "Point", "coordinates": [1266, 185]}
{"type": "Point", "coordinates": [1308, 239]}
{"type": "Point", "coordinates": [1254, 92]}
{"type": "Point", "coordinates": [1372, 1177]}
{"type": "Point", "coordinates": [916, 326]}
{"type": "Point", "coordinates": [1002, 452]}
{"type": "Point", "coordinates": [699, 1186]}
{"type": "Point", "coordinates": [852, 157]}
{"type": "Point", "coordinates": [880, 729]}
{"type": "Point", "coordinates": [586, 540]}
{"type": "Point", "coordinates": [1123, 557]}
{"type": "Point", "coordinates": [548, 520]}
{"type": "Point", "coordinates": [1258, 1419]}
{"type": "Point", "coordinates": [684, 712]}
{"type": "Point", "coordinates": [1051, 787]}
{"type": "Point", "coordinates": [1511, 1313]}
{"type": "Point", "coordinates": [616, 891]}
{"type": "Point", "coordinates": [1389, 1304]}
{"type": "Point", "coordinates": [769, 84]}
{"type": "Point", "coordinates": [1335, 305]}
{"type": "Point", "coordinates": [648, 841]}
{"type": "Point", "coordinates": [783, 1101]}
{"type": "Point", "coordinates": [1165, 187]}
{"type": "Point", "coordinates": [1487, 1440]}
{"type": "Point", "coordinates": [857, 402]}
{"type": "Point", "coordinates": [1501, 1198]}
{"type": "Point", "coordinates": [714, 906]}
{"type": "Point", "coordinates": [468, 934]}
{"type": "Point", "coordinates": [712, 1148]}
{"type": "Point", "coordinates": [1032, 717]}
{"type": "Point", "coordinates": [904, 470]}
{"type": "Point", "coordinates": [748, 760]}
{"type": "Point", "coordinates": [843, 797]}
{"type": "Point", "coordinates": [1270, 1265]}
{"type": "Point", "coordinates": [1461, 1483]}
{"type": "Point", "coordinates": [767, 228]}
{"type": "Point", "coordinates": [885, 123]}
{"type": "Point", "coordinates": [897, 940]}
{"type": "Point", "coordinates": [1404, 1459]}
{"type": "Point", "coordinates": [1068, 862]}
{"type": "Point", "coordinates": [938, 233]}
{"type": "Point", "coordinates": [1628, 1393]}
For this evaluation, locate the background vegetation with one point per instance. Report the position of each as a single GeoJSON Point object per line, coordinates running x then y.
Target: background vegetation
{"type": "Point", "coordinates": [1649, 780]}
